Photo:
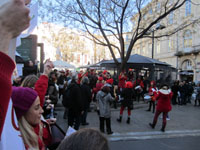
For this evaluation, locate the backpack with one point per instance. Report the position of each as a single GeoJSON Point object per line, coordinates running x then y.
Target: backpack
{"type": "Point", "coordinates": [66, 97]}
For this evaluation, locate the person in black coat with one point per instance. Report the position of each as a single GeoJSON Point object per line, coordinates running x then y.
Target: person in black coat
{"type": "Point", "coordinates": [183, 91]}
{"type": "Point", "coordinates": [76, 105]}
{"type": "Point", "coordinates": [61, 82]}
{"type": "Point", "coordinates": [52, 92]}
{"type": "Point", "coordinates": [175, 89]}
{"type": "Point", "coordinates": [86, 98]}
{"type": "Point", "coordinates": [127, 95]}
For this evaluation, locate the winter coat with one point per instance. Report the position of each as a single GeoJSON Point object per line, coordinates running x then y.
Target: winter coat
{"type": "Point", "coordinates": [61, 81]}
{"type": "Point", "coordinates": [104, 99]}
{"type": "Point", "coordinates": [153, 92]}
{"type": "Point", "coordinates": [7, 67]}
{"type": "Point", "coordinates": [76, 105]}
{"type": "Point", "coordinates": [46, 136]}
{"type": "Point", "coordinates": [86, 95]}
{"type": "Point", "coordinates": [164, 100]}
{"type": "Point", "coordinates": [122, 80]}
{"type": "Point", "coordinates": [127, 94]}
{"type": "Point", "coordinates": [52, 92]}
{"type": "Point", "coordinates": [98, 87]}
{"type": "Point", "coordinates": [175, 89]}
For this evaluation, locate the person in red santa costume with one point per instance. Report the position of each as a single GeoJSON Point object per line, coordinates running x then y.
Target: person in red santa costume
{"type": "Point", "coordinates": [127, 95]}
{"type": "Point", "coordinates": [164, 97]}
{"type": "Point", "coordinates": [152, 92]}
{"type": "Point", "coordinates": [122, 81]}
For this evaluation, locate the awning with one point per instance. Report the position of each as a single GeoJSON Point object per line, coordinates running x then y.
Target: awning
{"type": "Point", "coordinates": [187, 73]}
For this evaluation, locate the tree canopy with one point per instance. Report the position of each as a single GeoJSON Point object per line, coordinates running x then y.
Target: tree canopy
{"type": "Point", "coordinates": [108, 18]}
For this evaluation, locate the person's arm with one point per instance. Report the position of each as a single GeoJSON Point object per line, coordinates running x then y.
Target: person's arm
{"type": "Point", "coordinates": [53, 94]}
{"type": "Point", "coordinates": [42, 83]}
{"type": "Point", "coordinates": [14, 18]}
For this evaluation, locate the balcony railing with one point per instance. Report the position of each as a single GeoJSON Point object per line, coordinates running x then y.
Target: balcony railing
{"type": "Point", "coordinates": [194, 50]}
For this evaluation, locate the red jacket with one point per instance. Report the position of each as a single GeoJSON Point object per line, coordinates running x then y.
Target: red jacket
{"type": "Point", "coordinates": [139, 82]}
{"type": "Point", "coordinates": [41, 88]}
{"type": "Point", "coordinates": [46, 136]}
{"type": "Point", "coordinates": [153, 93]}
{"type": "Point", "coordinates": [98, 87]}
{"type": "Point", "coordinates": [7, 67]}
{"type": "Point", "coordinates": [164, 100]}
{"type": "Point", "coordinates": [122, 81]}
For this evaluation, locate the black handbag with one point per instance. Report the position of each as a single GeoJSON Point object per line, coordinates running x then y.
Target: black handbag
{"type": "Point", "coordinates": [57, 136]}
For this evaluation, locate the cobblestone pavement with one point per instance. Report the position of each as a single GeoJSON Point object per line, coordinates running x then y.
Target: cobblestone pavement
{"type": "Point", "coordinates": [184, 121]}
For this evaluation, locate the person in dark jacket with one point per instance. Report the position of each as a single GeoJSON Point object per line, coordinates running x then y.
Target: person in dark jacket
{"type": "Point", "coordinates": [175, 89]}
{"type": "Point", "coordinates": [52, 91]}
{"type": "Point", "coordinates": [183, 92]}
{"type": "Point", "coordinates": [127, 95]}
{"type": "Point", "coordinates": [86, 98]}
{"type": "Point", "coordinates": [61, 82]}
{"type": "Point", "coordinates": [76, 105]}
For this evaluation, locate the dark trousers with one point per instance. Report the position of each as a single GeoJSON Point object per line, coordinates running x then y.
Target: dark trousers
{"type": "Point", "coordinates": [74, 120]}
{"type": "Point", "coordinates": [108, 124]}
{"type": "Point", "coordinates": [174, 97]}
{"type": "Point", "coordinates": [150, 104]}
{"type": "Point", "coordinates": [84, 116]}
{"type": "Point", "coordinates": [183, 99]}
{"type": "Point", "coordinates": [164, 118]}
{"type": "Point", "coordinates": [60, 92]}
{"type": "Point", "coordinates": [137, 98]}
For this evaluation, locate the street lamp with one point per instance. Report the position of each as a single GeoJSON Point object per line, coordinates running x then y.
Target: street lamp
{"type": "Point", "coordinates": [160, 27]}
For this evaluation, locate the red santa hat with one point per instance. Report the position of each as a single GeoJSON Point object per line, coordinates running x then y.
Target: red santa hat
{"type": "Point", "coordinates": [129, 84]}
{"type": "Point", "coordinates": [109, 81]}
{"type": "Point", "coordinates": [100, 78]}
{"type": "Point", "coordinates": [105, 71]}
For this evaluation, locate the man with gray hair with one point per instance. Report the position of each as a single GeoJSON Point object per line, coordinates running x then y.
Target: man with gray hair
{"type": "Point", "coordinates": [75, 103]}
{"type": "Point", "coordinates": [86, 98]}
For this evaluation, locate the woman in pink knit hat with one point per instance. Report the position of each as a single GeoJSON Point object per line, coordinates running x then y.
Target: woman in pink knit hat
{"type": "Point", "coordinates": [35, 133]}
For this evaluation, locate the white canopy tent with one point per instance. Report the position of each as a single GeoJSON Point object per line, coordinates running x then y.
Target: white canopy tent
{"type": "Point", "coordinates": [63, 64]}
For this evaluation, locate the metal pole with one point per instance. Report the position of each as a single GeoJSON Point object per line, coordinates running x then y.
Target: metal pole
{"type": "Point", "coordinates": [152, 44]}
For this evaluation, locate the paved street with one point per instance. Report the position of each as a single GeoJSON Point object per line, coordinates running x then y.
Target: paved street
{"type": "Point", "coordinates": [184, 125]}
{"type": "Point", "coordinates": [183, 143]}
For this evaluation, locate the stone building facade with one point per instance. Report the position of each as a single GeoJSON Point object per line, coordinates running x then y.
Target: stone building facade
{"type": "Point", "coordinates": [182, 49]}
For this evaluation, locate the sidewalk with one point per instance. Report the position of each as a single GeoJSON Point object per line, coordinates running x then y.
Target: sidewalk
{"type": "Point", "coordinates": [184, 120]}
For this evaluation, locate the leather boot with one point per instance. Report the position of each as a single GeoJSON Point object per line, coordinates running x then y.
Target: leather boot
{"type": "Point", "coordinates": [128, 120]}
{"type": "Point", "coordinates": [119, 119]}
{"type": "Point", "coordinates": [108, 126]}
{"type": "Point", "coordinates": [162, 129]}
{"type": "Point", "coordinates": [152, 125]}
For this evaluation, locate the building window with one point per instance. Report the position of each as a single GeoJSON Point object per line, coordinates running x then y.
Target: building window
{"type": "Point", "coordinates": [149, 49]}
{"type": "Point", "coordinates": [170, 19]}
{"type": "Point", "coordinates": [145, 16]}
{"type": "Point", "coordinates": [127, 37]}
{"type": "Point", "coordinates": [78, 58]}
{"type": "Point", "coordinates": [158, 6]}
{"type": "Point", "coordinates": [187, 7]}
{"type": "Point", "coordinates": [187, 40]}
{"type": "Point", "coordinates": [187, 65]}
{"type": "Point", "coordinates": [85, 59]}
{"type": "Point", "coordinates": [150, 11]}
{"type": "Point", "coordinates": [158, 47]}
{"type": "Point", "coordinates": [171, 45]}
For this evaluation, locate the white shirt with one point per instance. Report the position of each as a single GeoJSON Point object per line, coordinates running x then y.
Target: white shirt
{"type": "Point", "coordinates": [10, 138]}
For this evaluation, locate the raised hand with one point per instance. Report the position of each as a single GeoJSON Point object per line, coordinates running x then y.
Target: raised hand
{"type": "Point", "coordinates": [48, 65]}
{"type": "Point", "coordinates": [14, 17]}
